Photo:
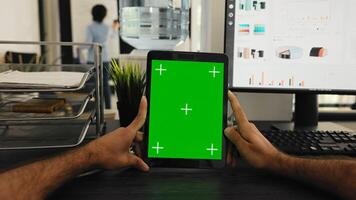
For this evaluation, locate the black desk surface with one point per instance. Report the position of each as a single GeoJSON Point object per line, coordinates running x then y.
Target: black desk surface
{"type": "Point", "coordinates": [243, 182]}
{"type": "Point", "coordinates": [186, 184]}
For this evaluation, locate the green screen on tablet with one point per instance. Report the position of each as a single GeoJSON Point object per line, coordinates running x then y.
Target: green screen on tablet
{"type": "Point", "coordinates": [186, 110]}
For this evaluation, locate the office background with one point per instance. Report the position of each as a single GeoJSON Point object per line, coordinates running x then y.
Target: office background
{"type": "Point", "coordinates": [65, 20]}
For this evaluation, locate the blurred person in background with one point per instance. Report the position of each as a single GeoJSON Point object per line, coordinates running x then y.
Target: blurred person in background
{"type": "Point", "coordinates": [98, 32]}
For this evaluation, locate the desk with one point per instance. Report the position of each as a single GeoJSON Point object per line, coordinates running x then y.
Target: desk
{"type": "Point", "coordinates": [185, 184]}
{"type": "Point", "coordinates": [243, 182]}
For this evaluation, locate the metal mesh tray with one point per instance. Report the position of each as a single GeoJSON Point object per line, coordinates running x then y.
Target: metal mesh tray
{"type": "Point", "coordinates": [64, 134]}
{"type": "Point", "coordinates": [88, 70]}
{"type": "Point", "coordinates": [76, 103]}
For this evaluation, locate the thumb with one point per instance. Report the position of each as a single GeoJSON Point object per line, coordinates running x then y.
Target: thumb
{"type": "Point", "coordinates": [138, 163]}
{"type": "Point", "coordinates": [231, 134]}
{"type": "Point", "coordinates": [235, 137]}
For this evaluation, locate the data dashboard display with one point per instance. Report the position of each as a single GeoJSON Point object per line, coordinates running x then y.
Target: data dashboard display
{"type": "Point", "coordinates": [292, 44]}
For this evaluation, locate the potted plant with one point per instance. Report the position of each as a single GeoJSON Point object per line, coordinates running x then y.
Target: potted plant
{"type": "Point", "coordinates": [130, 83]}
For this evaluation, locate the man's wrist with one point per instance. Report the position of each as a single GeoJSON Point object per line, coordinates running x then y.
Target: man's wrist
{"type": "Point", "coordinates": [278, 162]}
{"type": "Point", "coordinates": [91, 155]}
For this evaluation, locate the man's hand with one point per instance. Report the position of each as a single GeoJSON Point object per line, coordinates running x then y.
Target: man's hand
{"type": "Point", "coordinates": [115, 25]}
{"type": "Point", "coordinates": [112, 150]}
{"type": "Point", "coordinates": [250, 142]}
{"type": "Point", "coordinates": [37, 180]}
{"type": "Point", "coordinates": [338, 176]}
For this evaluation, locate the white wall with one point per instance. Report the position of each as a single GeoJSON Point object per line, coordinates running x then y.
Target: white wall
{"type": "Point", "coordinates": [196, 26]}
{"type": "Point", "coordinates": [212, 25]}
{"type": "Point", "coordinates": [258, 106]}
{"type": "Point", "coordinates": [81, 17]}
{"type": "Point", "coordinates": [19, 21]}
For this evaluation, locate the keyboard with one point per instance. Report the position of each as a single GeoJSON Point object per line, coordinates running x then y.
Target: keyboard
{"type": "Point", "coordinates": [313, 142]}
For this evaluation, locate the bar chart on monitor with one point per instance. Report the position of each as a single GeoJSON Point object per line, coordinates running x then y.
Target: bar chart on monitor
{"type": "Point", "coordinates": [263, 79]}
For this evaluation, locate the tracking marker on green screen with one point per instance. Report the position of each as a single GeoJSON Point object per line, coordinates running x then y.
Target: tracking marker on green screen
{"type": "Point", "coordinates": [186, 110]}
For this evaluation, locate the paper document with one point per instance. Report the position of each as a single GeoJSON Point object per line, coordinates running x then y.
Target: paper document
{"type": "Point", "coordinates": [41, 79]}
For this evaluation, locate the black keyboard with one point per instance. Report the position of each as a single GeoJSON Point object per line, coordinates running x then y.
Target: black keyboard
{"type": "Point", "coordinates": [313, 142]}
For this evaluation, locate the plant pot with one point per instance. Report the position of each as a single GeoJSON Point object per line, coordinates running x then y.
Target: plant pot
{"type": "Point", "coordinates": [130, 83]}
{"type": "Point", "coordinates": [126, 114]}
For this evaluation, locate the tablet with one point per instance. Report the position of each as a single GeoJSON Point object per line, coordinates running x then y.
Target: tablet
{"type": "Point", "coordinates": [187, 105]}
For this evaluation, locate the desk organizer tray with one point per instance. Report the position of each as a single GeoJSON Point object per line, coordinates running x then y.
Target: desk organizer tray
{"type": "Point", "coordinates": [47, 135]}
{"type": "Point", "coordinates": [11, 72]}
{"type": "Point", "coordinates": [74, 106]}
{"type": "Point", "coordinates": [53, 105]}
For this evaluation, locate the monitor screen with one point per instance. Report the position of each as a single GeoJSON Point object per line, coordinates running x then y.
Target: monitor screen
{"type": "Point", "coordinates": [307, 45]}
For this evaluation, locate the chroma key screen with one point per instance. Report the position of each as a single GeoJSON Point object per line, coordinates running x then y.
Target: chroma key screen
{"type": "Point", "coordinates": [186, 110]}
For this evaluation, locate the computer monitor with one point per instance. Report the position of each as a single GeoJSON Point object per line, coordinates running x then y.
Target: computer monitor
{"type": "Point", "coordinates": [305, 47]}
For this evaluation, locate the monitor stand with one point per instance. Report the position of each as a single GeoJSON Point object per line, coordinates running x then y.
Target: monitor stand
{"type": "Point", "coordinates": [306, 116]}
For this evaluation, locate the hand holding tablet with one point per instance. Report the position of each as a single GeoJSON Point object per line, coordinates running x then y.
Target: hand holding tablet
{"type": "Point", "coordinates": [186, 106]}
